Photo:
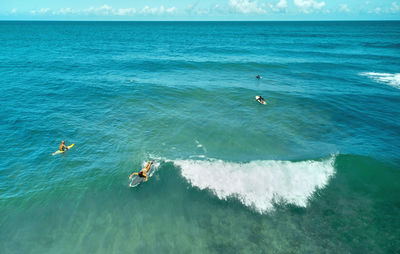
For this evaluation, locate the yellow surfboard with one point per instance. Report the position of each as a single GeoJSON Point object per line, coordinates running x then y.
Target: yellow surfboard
{"type": "Point", "coordinates": [59, 151]}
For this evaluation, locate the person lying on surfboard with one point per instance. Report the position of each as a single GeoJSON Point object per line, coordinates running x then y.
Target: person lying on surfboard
{"type": "Point", "coordinates": [260, 99]}
{"type": "Point", "coordinates": [63, 147]}
{"type": "Point", "coordinates": [142, 173]}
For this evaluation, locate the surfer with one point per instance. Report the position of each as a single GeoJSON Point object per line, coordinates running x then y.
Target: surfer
{"type": "Point", "coordinates": [142, 173]}
{"type": "Point", "coordinates": [258, 76]}
{"type": "Point", "coordinates": [260, 99]}
{"type": "Point", "coordinates": [63, 147]}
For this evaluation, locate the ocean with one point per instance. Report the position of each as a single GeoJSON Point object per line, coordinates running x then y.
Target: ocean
{"type": "Point", "coordinates": [316, 170]}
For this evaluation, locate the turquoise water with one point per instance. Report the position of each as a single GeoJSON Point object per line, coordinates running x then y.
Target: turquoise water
{"type": "Point", "coordinates": [316, 170]}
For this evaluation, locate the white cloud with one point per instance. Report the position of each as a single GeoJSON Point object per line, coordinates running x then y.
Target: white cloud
{"type": "Point", "coordinates": [191, 7]}
{"type": "Point", "coordinates": [219, 9]}
{"type": "Point", "coordinates": [282, 4]}
{"type": "Point", "coordinates": [247, 6]}
{"type": "Point", "coordinates": [65, 11]}
{"type": "Point", "coordinates": [105, 10]}
{"type": "Point", "coordinates": [172, 9]}
{"type": "Point", "coordinates": [148, 10]}
{"type": "Point", "coordinates": [101, 11]}
{"type": "Point", "coordinates": [279, 7]}
{"type": "Point", "coordinates": [40, 11]}
{"type": "Point", "coordinates": [158, 10]}
{"type": "Point", "coordinates": [203, 11]}
{"type": "Point", "coordinates": [308, 6]}
{"type": "Point", "coordinates": [208, 10]}
{"type": "Point", "coordinates": [229, 7]}
{"type": "Point", "coordinates": [125, 12]}
{"type": "Point", "coordinates": [394, 8]}
{"type": "Point", "coordinates": [378, 10]}
{"type": "Point", "coordinates": [344, 8]}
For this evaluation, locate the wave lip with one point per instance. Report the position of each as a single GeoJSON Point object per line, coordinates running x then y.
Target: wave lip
{"type": "Point", "coordinates": [259, 184]}
{"type": "Point", "coordinates": [384, 78]}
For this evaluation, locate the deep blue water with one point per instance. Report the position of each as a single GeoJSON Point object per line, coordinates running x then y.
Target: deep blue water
{"type": "Point", "coordinates": [316, 170]}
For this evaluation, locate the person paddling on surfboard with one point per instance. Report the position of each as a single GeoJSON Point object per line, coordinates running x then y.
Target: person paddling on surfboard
{"type": "Point", "coordinates": [63, 147]}
{"type": "Point", "coordinates": [142, 173]}
{"type": "Point", "coordinates": [260, 99]}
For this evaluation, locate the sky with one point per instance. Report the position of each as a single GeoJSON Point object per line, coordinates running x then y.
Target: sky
{"type": "Point", "coordinates": [200, 10]}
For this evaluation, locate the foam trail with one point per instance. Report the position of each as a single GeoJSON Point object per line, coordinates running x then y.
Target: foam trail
{"type": "Point", "coordinates": [258, 184]}
{"type": "Point", "coordinates": [384, 78]}
{"type": "Point", "coordinates": [199, 145]}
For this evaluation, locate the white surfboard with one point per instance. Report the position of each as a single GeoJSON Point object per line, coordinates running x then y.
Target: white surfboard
{"type": "Point", "coordinates": [260, 101]}
{"type": "Point", "coordinates": [136, 180]}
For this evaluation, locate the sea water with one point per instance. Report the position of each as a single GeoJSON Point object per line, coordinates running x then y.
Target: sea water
{"type": "Point", "coordinates": [316, 170]}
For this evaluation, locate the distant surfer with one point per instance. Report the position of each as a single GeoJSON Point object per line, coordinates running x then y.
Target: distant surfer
{"type": "Point", "coordinates": [142, 173]}
{"type": "Point", "coordinates": [260, 100]}
{"type": "Point", "coordinates": [63, 147]}
{"type": "Point", "coordinates": [258, 76]}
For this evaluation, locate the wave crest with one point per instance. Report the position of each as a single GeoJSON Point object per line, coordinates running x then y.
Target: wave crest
{"type": "Point", "coordinates": [384, 78]}
{"type": "Point", "coordinates": [259, 184]}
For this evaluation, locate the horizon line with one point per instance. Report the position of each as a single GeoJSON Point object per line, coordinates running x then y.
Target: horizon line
{"type": "Point", "coordinates": [294, 20]}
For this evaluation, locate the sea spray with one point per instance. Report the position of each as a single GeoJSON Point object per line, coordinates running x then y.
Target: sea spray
{"type": "Point", "coordinates": [259, 184]}
{"type": "Point", "coordinates": [384, 78]}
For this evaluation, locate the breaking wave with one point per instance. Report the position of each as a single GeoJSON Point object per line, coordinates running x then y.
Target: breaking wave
{"type": "Point", "coordinates": [384, 78]}
{"type": "Point", "coordinates": [259, 184]}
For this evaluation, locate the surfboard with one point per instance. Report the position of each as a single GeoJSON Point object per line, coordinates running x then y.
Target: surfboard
{"type": "Point", "coordinates": [136, 180]}
{"type": "Point", "coordinates": [262, 102]}
{"type": "Point", "coordinates": [58, 151]}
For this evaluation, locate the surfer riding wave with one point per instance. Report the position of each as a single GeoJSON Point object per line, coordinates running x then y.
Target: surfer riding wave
{"type": "Point", "coordinates": [142, 173]}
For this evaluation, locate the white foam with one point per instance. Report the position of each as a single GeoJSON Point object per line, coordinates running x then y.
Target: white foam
{"type": "Point", "coordinates": [199, 145]}
{"type": "Point", "coordinates": [384, 78]}
{"type": "Point", "coordinates": [197, 156]}
{"type": "Point", "coordinates": [259, 184]}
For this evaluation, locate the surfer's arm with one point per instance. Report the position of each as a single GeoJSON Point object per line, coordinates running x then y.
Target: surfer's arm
{"type": "Point", "coordinates": [146, 177]}
{"type": "Point", "coordinates": [135, 173]}
{"type": "Point", "coordinates": [148, 166]}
